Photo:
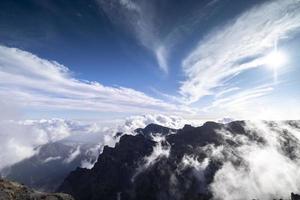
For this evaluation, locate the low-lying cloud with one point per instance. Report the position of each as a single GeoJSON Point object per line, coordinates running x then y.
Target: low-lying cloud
{"type": "Point", "coordinates": [19, 138]}
{"type": "Point", "coordinates": [268, 170]}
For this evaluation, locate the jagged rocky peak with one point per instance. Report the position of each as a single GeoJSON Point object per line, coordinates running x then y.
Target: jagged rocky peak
{"type": "Point", "coordinates": [179, 166]}
{"type": "Point", "coordinates": [295, 196]}
{"type": "Point", "coordinates": [188, 127]}
{"type": "Point", "coordinates": [155, 129]}
{"type": "Point", "coordinates": [15, 191]}
{"type": "Point", "coordinates": [118, 134]}
{"type": "Point", "coordinates": [150, 130]}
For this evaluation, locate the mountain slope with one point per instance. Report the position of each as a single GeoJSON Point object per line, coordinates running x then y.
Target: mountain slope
{"type": "Point", "coordinates": [47, 169]}
{"type": "Point", "coordinates": [195, 163]}
{"type": "Point", "coordinates": [14, 191]}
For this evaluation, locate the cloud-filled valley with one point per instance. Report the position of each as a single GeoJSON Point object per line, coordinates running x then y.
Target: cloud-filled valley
{"type": "Point", "coordinates": [237, 160]}
{"type": "Point", "coordinates": [21, 138]}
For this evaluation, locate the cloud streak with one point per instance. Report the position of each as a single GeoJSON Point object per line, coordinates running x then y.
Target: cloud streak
{"type": "Point", "coordinates": [40, 83]}
{"type": "Point", "coordinates": [138, 18]}
{"type": "Point", "coordinates": [237, 47]}
{"type": "Point", "coordinates": [147, 22]}
{"type": "Point", "coordinates": [238, 103]}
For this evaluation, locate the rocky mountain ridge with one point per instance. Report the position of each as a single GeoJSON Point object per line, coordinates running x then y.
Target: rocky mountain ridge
{"type": "Point", "coordinates": [15, 191]}
{"type": "Point", "coordinates": [162, 163]}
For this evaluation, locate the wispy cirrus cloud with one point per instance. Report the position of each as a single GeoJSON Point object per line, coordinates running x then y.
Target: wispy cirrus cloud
{"type": "Point", "coordinates": [39, 83]}
{"type": "Point", "coordinates": [154, 26]}
{"type": "Point", "coordinates": [237, 47]}
{"type": "Point", "coordinates": [241, 98]}
{"type": "Point", "coordinates": [138, 18]}
{"type": "Point", "coordinates": [259, 102]}
{"type": "Point", "coordinates": [242, 104]}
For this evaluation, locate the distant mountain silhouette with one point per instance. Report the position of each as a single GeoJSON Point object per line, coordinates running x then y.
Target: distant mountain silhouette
{"type": "Point", "coordinates": [47, 169]}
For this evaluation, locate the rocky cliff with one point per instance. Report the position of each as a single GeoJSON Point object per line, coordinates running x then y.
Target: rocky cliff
{"type": "Point", "coordinates": [15, 191]}
{"type": "Point", "coordinates": [188, 164]}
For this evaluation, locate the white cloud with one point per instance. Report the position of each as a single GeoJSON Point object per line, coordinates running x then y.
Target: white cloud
{"type": "Point", "coordinates": [87, 164]}
{"type": "Point", "coordinates": [233, 183]}
{"type": "Point", "coordinates": [266, 171]}
{"type": "Point", "coordinates": [147, 22]}
{"type": "Point", "coordinates": [226, 91]}
{"type": "Point", "coordinates": [127, 126]}
{"type": "Point", "coordinates": [19, 138]}
{"type": "Point", "coordinates": [141, 121]}
{"type": "Point", "coordinates": [238, 104]}
{"type": "Point", "coordinates": [39, 83]}
{"type": "Point", "coordinates": [49, 159]}
{"type": "Point", "coordinates": [130, 5]}
{"type": "Point", "coordinates": [15, 144]}
{"type": "Point", "coordinates": [138, 18]}
{"type": "Point", "coordinates": [9, 110]}
{"type": "Point", "coordinates": [161, 54]}
{"type": "Point", "coordinates": [93, 154]}
{"type": "Point", "coordinates": [55, 129]}
{"type": "Point", "coordinates": [243, 97]}
{"type": "Point", "coordinates": [255, 103]}
{"type": "Point", "coordinates": [73, 155]}
{"type": "Point", "coordinates": [161, 149]}
{"type": "Point", "coordinates": [236, 47]}
{"type": "Point", "coordinates": [198, 167]}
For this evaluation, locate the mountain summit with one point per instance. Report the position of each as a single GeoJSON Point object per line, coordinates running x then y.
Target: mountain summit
{"type": "Point", "coordinates": [190, 163]}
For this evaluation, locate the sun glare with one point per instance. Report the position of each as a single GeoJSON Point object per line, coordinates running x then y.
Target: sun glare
{"type": "Point", "coordinates": [275, 59]}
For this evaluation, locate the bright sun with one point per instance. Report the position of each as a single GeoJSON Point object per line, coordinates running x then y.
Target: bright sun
{"type": "Point", "coordinates": [275, 59]}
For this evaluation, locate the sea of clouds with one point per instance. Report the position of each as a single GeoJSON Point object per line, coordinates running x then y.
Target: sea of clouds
{"type": "Point", "coordinates": [20, 138]}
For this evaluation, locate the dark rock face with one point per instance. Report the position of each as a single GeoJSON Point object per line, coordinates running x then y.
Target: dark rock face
{"type": "Point", "coordinates": [154, 129]}
{"type": "Point", "coordinates": [140, 167]}
{"type": "Point", "coordinates": [119, 165]}
{"type": "Point", "coordinates": [114, 174]}
{"type": "Point", "coordinates": [295, 196]}
{"type": "Point", "coordinates": [14, 191]}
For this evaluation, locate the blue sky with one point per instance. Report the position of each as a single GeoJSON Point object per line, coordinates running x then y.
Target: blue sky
{"type": "Point", "coordinates": [107, 59]}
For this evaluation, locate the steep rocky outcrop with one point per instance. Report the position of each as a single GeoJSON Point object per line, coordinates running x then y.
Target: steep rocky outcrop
{"type": "Point", "coordinates": [15, 191]}
{"type": "Point", "coordinates": [180, 164]}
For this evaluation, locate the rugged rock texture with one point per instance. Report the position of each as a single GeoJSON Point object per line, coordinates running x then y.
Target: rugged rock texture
{"type": "Point", "coordinates": [171, 166]}
{"type": "Point", "coordinates": [14, 191]}
{"type": "Point", "coordinates": [295, 196]}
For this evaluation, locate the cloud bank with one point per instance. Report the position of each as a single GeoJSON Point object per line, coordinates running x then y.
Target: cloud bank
{"type": "Point", "coordinates": [39, 83]}
{"type": "Point", "coordinates": [267, 170]}
{"type": "Point", "coordinates": [18, 141]}
{"type": "Point", "coordinates": [19, 138]}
